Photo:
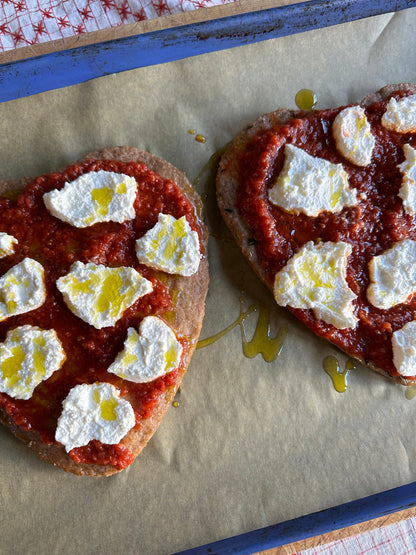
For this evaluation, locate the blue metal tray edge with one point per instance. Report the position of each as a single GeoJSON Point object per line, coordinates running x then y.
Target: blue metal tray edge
{"type": "Point", "coordinates": [314, 524]}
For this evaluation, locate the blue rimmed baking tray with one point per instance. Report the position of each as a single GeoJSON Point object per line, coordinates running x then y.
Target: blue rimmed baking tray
{"type": "Point", "coordinates": [76, 65]}
{"type": "Point", "coordinates": [314, 524]}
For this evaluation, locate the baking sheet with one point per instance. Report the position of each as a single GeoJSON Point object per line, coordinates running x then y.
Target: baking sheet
{"type": "Point", "coordinates": [251, 443]}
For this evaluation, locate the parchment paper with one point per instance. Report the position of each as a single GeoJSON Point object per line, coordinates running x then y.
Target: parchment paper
{"type": "Point", "coordinates": [251, 443]}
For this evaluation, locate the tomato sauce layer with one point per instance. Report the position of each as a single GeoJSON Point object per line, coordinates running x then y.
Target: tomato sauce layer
{"type": "Point", "coordinates": [89, 351]}
{"type": "Point", "coordinates": [371, 227]}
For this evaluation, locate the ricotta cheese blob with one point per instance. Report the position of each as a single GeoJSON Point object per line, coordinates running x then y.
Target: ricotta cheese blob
{"type": "Point", "coordinates": [94, 197]}
{"type": "Point", "coordinates": [99, 295]}
{"type": "Point", "coordinates": [315, 278]}
{"type": "Point", "coordinates": [28, 356]}
{"type": "Point", "coordinates": [171, 246]}
{"type": "Point", "coordinates": [404, 349]}
{"type": "Point", "coordinates": [7, 244]}
{"type": "Point", "coordinates": [393, 275]}
{"type": "Point", "coordinates": [353, 137]}
{"type": "Point", "coordinates": [149, 354]}
{"type": "Point", "coordinates": [408, 188]}
{"type": "Point", "coordinates": [94, 411]}
{"type": "Point", "coordinates": [22, 288]}
{"type": "Point", "coordinates": [311, 185]}
{"type": "Point", "coordinates": [400, 115]}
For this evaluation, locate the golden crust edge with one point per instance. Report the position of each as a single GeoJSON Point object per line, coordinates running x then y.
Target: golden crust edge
{"type": "Point", "coordinates": [188, 317]}
{"type": "Point", "coordinates": [226, 191]}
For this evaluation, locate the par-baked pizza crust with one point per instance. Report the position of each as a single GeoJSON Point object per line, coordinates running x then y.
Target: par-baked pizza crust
{"type": "Point", "coordinates": [228, 182]}
{"type": "Point", "coordinates": [185, 318]}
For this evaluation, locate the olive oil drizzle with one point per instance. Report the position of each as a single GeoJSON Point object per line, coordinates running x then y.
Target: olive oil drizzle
{"type": "Point", "coordinates": [210, 166]}
{"type": "Point", "coordinates": [339, 379]}
{"type": "Point", "coordinates": [198, 137]}
{"type": "Point", "coordinates": [238, 322]}
{"type": "Point", "coordinates": [410, 392]}
{"type": "Point", "coordinates": [261, 343]}
{"type": "Point", "coordinates": [305, 99]}
{"type": "Point", "coordinates": [11, 195]}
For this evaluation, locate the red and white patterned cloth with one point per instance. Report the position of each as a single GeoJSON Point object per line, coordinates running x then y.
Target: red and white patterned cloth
{"type": "Point", "coordinates": [27, 22]}
{"type": "Point", "coordinates": [395, 539]}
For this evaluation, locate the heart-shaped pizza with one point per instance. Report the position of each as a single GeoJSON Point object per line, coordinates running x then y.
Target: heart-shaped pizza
{"type": "Point", "coordinates": [103, 278]}
{"type": "Point", "coordinates": [323, 205]}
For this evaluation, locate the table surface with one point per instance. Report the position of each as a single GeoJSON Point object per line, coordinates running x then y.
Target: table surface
{"type": "Point", "coordinates": [35, 28]}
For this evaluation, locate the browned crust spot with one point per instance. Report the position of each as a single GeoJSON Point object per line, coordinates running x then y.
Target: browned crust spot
{"type": "Point", "coordinates": [227, 183]}
{"type": "Point", "coordinates": [186, 318]}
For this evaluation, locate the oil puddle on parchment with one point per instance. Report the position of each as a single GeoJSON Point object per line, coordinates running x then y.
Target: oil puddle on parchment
{"type": "Point", "coordinates": [262, 342]}
{"type": "Point", "coordinates": [410, 392]}
{"type": "Point", "coordinates": [199, 138]}
{"type": "Point", "coordinates": [306, 99]}
{"type": "Point", "coordinates": [338, 377]}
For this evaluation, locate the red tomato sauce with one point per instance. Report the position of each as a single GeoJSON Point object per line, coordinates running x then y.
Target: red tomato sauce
{"type": "Point", "coordinates": [372, 226]}
{"type": "Point", "coordinates": [89, 351]}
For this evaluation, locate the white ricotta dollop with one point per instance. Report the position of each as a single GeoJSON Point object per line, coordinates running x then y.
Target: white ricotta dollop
{"type": "Point", "coordinates": [311, 185]}
{"type": "Point", "coordinates": [400, 115]}
{"type": "Point", "coordinates": [28, 356]}
{"type": "Point", "coordinates": [408, 188]}
{"type": "Point", "coordinates": [404, 349]}
{"type": "Point", "coordinates": [171, 246]}
{"type": "Point", "coordinates": [315, 278]}
{"type": "Point", "coordinates": [94, 197]}
{"type": "Point", "coordinates": [393, 275]}
{"type": "Point", "coordinates": [99, 295]}
{"type": "Point", "coordinates": [94, 411]}
{"type": "Point", "coordinates": [22, 288]}
{"type": "Point", "coordinates": [353, 137]}
{"type": "Point", "coordinates": [7, 244]}
{"type": "Point", "coordinates": [151, 353]}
